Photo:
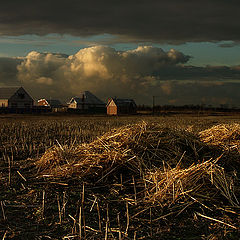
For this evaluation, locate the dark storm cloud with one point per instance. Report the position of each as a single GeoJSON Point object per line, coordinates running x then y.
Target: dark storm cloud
{"type": "Point", "coordinates": [8, 71]}
{"type": "Point", "coordinates": [210, 73]}
{"type": "Point", "coordinates": [214, 94]}
{"type": "Point", "coordinates": [138, 20]}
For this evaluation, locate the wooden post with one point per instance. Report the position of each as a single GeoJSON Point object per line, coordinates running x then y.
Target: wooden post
{"type": "Point", "coordinates": [153, 104]}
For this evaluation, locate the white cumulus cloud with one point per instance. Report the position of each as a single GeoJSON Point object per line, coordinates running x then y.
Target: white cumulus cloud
{"type": "Point", "coordinates": [103, 70]}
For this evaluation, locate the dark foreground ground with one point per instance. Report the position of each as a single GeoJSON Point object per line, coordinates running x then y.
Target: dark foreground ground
{"type": "Point", "coordinates": [34, 207]}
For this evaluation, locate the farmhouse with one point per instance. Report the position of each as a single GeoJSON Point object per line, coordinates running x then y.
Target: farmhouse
{"type": "Point", "coordinates": [87, 102]}
{"type": "Point", "coordinates": [51, 103]}
{"type": "Point", "coordinates": [121, 106]}
{"type": "Point", "coordinates": [15, 97]}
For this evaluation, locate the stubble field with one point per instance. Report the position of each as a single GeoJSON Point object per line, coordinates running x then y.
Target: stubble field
{"type": "Point", "coordinates": [133, 177]}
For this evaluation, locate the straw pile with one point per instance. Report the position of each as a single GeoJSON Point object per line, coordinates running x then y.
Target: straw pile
{"type": "Point", "coordinates": [168, 169]}
{"type": "Point", "coordinates": [226, 136]}
{"type": "Point", "coordinates": [93, 159]}
{"type": "Point", "coordinates": [139, 146]}
{"type": "Point", "coordinates": [199, 183]}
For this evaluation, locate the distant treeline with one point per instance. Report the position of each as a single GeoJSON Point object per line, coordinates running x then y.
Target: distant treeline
{"type": "Point", "coordinates": [140, 109]}
{"type": "Point", "coordinates": [159, 108]}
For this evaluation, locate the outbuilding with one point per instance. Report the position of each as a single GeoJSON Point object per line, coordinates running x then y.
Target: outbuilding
{"type": "Point", "coordinates": [116, 106]}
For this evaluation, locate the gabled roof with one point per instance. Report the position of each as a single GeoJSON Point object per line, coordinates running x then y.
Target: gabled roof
{"type": "Point", "coordinates": [54, 102]}
{"type": "Point", "coordinates": [76, 99]}
{"type": "Point", "coordinates": [51, 102]}
{"type": "Point", "coordinates": [8, 92]}
{"type": "Point", "coordinates": [87, 97]}
{"type": "Point", "coordinates": [122, 102]}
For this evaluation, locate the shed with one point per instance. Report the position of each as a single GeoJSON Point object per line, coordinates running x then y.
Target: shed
{"type": "Point", "coordinates": [121, 106]}
{"type": "Point", "coordinates": [15, 97]}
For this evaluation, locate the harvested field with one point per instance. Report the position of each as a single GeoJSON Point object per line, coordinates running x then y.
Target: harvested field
{"type": "Point", "coordinates": [139, 178]}
{"type": "Point", "coordinates": [139, 146]}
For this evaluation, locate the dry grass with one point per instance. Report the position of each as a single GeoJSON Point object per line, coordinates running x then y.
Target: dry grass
{"type": "Point", "coordinates": [132, 182]}
{"type": "Point", "coordinates": [172, 167]}
{"type": "Point", "coordinates": [96, 158]}
{"type": "Point", "coordinates": [139, 146]}
{"type": "Point", "coordinates": [226, 136]}
{"type": "Point", "coordinates": [199, 183]}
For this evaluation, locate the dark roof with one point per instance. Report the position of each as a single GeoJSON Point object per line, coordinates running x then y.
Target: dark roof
{"type": "Point", "coordinates": [8, 92]}
{"type": "Point", "coordinates": [77, 99]}
{"type": "Point", "coordinates": [54, 102]}
{"type": "Point", "coordinates": [123, 102]}
{"type": "Point", "coordinates": [87, 97]}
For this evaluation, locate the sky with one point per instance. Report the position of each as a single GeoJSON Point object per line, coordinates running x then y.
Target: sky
{"type": "Point", "coordinates": [180, 51]}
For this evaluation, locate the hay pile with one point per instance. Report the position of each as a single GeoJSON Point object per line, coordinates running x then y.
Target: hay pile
{"type": "Point", "coordinates": [93, 159]}
{"type": "Point", "coordinates": [202, 182]}
{"type": "Point", "coordinates": [167, 169]}
{"type": "Point", "coordinates": [226, 136]}
{"type": "Point", "coordinates": [139, 146]}
{"type": "Point", "coordinates": [199, 183]}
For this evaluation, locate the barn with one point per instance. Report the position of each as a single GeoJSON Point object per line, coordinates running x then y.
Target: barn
{"type": "Point", "coordinates": [117, 106]}
{"type": "Point", "coordinates": [15, 98]}
{"type": "Point", "coordinates": [50, 103]}
{"type": "Point", "coordinates": [87, 102]}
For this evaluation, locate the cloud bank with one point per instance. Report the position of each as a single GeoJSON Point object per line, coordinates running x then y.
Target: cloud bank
{"type": "Point", "coordinates": [135, 20]}
{"type": "Point", "coordinates": [139, 73]}
{"type": "Point", "coordinates": [100, 69]}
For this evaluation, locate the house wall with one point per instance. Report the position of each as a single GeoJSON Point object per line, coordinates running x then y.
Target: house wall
{"type": "Point", "coordinates": [78, 106]}
{"type": "Point", "coordinates": [82, 106]}
{"type": "Point", "coordinates": [3, 103]}
{"type": "Point", "coordinates": [72, 105]}
{"type": "Point", "coordinates": [20, 99]}
{"type": "Point", "coordinates": [112, 109]}
{"type": "Point", "coordinates": [127, 109]}
{"type": "Point", "coordinates": [43, 102]}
